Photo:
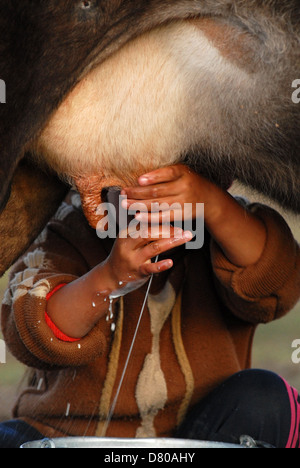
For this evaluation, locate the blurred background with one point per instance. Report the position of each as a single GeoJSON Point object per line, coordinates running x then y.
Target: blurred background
{"type": "Point", "coordinates": [272, 346]}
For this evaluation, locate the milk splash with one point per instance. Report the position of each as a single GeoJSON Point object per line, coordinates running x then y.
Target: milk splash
{"type": "Point", "coordinates": [126, 287]}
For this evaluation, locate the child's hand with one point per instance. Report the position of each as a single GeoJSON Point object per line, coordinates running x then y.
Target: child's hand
{"type": "Point", "coordinates": [127, 268]}
{"type": "Point", "coordinates": [239, 233]}
{"type": "Point", "coordinates": [130, 259]}
{"type": "Point", "coordinates": [173, 185]}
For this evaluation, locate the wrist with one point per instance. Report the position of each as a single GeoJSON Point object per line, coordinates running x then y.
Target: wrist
{"type": "Point", "coordinates": [84, 302]}
{"type": "Point", "coordinates": [107, 277]}
{"type": "Point", "coordinates": [240, 234]}
{"type": "Point", "coordinates": [215, 205]}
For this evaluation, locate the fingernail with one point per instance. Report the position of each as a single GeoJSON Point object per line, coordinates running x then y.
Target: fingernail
{"type": "Point", "coordinates": [187, 235]}
{"type": "Point", "coordinates": [143, 179]}
{"type": "Point", "coordinates": [167, 264]}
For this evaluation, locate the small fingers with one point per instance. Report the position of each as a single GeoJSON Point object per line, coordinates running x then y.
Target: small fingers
{"type": "Point", "coordinates": [148, 269]}
{"type": "Point", "coordinates": [152, 192]}
{"type": "Point", "coordinates": [165, 174]}
{"type": "Point", "coordinates": [151, 233]}
{"type": "Point", "coordinates": [146, 206]}
{"type": "Point", "coordinates": [157, 247]}
{"type": "Point", "coordinates": [160, 216]}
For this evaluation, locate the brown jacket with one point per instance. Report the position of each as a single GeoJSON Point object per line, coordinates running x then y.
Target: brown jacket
{"type": "Point", "coordinates": [196, 331]}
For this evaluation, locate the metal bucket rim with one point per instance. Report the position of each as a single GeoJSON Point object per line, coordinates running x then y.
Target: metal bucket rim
{"type": "Point", "coordinates": [107, 442]}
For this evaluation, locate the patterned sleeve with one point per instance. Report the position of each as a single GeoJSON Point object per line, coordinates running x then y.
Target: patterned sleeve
{"type": "Point", "coordinates": [56, 257]}
{"type": "Point", "coordinates": [270, 288]}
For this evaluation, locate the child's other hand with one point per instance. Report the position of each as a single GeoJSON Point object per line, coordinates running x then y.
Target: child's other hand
{"type": "Point", "coordinates": [240, 234]}
{"type": "Point", "coordinates": [130, 259]}
{"type": "Point", "coordinates": [173, 185]}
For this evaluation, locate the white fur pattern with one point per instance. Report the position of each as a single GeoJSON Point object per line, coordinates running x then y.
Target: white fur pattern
{"type": "Point", "coordinates": [142, 108]}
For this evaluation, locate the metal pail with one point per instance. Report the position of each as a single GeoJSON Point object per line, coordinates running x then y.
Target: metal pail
{"type": "Point", "coordinates": [95, 442]}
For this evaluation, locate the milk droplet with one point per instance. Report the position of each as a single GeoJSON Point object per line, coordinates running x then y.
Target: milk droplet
{"type": "Point", "coordinates": [93, 304]}
{"type": "Point", "coordinates": [79, 346]}
{"type": "Point", "coordinates": [110, 310]}
{"type": "Point", "coordinates": [121, 283]}
{"type": "Point", "coordinates": [113, 327]}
